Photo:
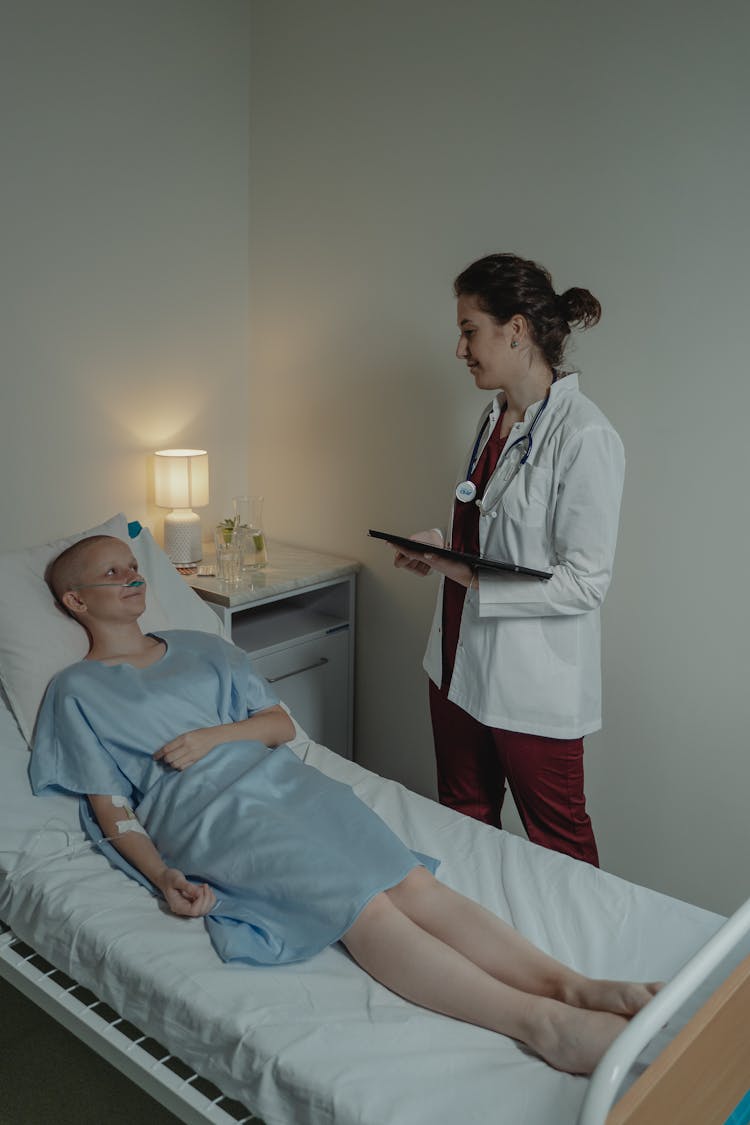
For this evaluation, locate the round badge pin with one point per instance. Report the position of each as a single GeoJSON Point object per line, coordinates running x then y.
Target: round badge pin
{"type": "Point", "coordinates": [466, 491]}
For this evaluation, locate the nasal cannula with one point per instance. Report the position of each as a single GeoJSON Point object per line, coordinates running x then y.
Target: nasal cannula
{"type": "Point", "coordinates": [116, 585]}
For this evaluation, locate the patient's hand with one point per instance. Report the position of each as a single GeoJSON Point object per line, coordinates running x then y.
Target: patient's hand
{"type": "Point", "coordinates": [190, 747]}
{"type": "Point", "coordinates": [191, 900]}
{"type": "Point", "coordinates": [271, 726]}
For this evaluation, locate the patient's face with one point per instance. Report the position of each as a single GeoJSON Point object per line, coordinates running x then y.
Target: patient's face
{"type": "Point", "coordinates": [102, 590]}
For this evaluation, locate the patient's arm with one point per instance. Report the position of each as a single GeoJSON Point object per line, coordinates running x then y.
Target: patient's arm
{"type": "Point", "coordinates": [120, 825]}
{"type": "Point", "coordinates": [271, 726]}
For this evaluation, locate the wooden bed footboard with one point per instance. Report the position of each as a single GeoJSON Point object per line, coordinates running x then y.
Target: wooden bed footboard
{"type": "Point", "coordinates": [704, 1073]}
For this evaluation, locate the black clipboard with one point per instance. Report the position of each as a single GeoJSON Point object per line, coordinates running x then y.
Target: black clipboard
{"type": "Point", "coordinates": [478, 562]}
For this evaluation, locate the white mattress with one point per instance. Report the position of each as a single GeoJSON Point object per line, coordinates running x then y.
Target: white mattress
{"type": "Point", "coordinates": [321, 1042]}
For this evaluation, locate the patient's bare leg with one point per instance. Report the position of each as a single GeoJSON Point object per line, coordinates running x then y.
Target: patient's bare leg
{"type": "Point", "coordinates": [420, 967]}
{"type": "Point", "coordinates": [502, 952]}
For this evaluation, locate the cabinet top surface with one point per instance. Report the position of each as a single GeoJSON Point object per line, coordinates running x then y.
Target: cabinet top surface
{"type": "Point", "coordinates": [288, 568]}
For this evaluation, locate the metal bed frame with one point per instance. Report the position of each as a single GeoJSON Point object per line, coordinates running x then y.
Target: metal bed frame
{"type": "Point", "coordinates": [168, 1080]}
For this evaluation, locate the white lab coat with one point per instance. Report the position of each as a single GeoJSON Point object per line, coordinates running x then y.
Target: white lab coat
{"type": "Point", "coordinates": [528, 656]}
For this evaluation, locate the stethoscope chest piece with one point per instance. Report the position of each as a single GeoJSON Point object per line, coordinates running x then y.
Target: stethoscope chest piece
{"type": "Point", "coordinates": [466, 491]}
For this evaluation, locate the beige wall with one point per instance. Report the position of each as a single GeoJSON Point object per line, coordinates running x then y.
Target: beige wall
{"type": "Point", "coordinates": [123, 284]}
{"type": "Point", "coordinates": [391, 144]}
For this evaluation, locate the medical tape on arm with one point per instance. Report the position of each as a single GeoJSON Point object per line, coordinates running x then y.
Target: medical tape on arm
{"type": "Point", "coordinates": [131, 823]}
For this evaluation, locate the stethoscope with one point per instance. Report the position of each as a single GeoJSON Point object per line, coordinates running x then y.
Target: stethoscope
{"type": "Point", "coordinates": [467, 490]}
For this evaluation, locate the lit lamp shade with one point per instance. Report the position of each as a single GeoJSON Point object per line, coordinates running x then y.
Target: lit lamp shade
{"type": "Point", "coordinates": [181, 483]}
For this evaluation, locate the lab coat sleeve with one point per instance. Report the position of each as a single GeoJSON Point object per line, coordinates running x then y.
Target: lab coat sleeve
{"type": "Point", "coordinates": [583, 536]}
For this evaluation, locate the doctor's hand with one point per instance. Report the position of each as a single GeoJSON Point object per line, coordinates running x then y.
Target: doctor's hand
{"type": "Point", "coordinates": [416, 562]}
{"type": "Point", "coordinates": [191, 900]}
{"type": "Point", "coordinates": [450, 568]}
{"type": "Point", "coordinates": [190, 747]}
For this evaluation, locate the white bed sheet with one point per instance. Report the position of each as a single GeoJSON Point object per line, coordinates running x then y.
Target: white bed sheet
{"type": "Point", "coordinates": [320, 1042]}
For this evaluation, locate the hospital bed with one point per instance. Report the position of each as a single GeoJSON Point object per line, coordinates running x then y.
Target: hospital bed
{"type": "Point", "coordinates": [321, 1043]}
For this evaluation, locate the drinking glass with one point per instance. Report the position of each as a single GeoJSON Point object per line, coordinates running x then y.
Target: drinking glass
{"type": "Point", "coordinates": [229, 542]}
{"type": "Point", "coordinates": [248, 517]}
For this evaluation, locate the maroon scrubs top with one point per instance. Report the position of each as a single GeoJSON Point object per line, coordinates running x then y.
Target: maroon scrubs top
{"type": "Point", "coordinates": [465, 537]}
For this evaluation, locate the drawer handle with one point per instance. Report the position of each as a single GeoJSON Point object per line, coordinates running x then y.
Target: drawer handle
{"type": "Point", "coordinates": [298, 671]}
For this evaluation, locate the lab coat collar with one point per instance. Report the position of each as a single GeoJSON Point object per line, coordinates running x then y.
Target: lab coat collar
{"type": "Point", "coordinates": [566, 381]}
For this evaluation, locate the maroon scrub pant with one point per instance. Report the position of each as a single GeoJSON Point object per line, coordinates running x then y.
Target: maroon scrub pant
{"type": "Point", "coordinates": [545, 776]}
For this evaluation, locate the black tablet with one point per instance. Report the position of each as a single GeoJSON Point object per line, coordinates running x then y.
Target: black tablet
{"type": "Point", "coordinates": [478, 562]}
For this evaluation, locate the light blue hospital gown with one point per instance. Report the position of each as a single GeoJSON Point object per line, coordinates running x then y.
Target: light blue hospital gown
{"type": "Point", "coordinates": [292, 855]}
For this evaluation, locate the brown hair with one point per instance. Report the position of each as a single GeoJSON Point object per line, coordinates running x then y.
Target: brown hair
{"type": "Point", "coordinates": [505, 285]}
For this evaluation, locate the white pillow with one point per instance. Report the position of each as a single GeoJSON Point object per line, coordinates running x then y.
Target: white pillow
{"type": "Point", "coordinates": [38, 639]}
{"type": "Point", "coordinates": [174, 598]}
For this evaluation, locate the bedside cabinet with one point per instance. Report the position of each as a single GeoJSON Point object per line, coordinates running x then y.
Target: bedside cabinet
{"type": "Point", "coordinates": [295, 617]}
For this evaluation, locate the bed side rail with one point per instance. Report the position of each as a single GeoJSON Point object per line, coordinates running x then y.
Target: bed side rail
{"type": "Point", "coordinates": [615, 1064]}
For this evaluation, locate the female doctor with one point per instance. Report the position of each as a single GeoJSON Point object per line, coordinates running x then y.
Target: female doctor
{"type": "Point", "coordinates": [514, 661]}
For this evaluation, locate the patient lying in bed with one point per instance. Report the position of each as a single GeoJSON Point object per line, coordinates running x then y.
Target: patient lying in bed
{"type": "Point", "coordinates": [178, 749]}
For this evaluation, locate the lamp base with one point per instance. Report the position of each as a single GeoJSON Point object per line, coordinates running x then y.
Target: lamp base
{"type": "Point", "coordinates": [182, 537]}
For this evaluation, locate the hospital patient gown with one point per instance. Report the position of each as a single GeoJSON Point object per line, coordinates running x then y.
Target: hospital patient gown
{"type": "Point", "coordinates": [292, 855]}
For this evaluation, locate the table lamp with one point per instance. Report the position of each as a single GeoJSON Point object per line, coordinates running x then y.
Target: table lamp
{"type": "Point", "coordinates": [181, 483]}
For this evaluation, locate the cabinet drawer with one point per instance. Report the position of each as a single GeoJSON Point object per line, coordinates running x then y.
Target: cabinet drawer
{"type": "Point", "coordinates": [312, 678]}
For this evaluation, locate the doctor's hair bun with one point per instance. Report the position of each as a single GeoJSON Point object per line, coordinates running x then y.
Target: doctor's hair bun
{"type": "Point", "coordinates": [505, 285]}
{"type": "Point", "coordinates": [579, 307]}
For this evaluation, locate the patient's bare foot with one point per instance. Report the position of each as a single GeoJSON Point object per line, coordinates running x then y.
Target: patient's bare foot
{"type": "Point", "coordinates": [622, 997]}
{"type": "Point", "coordinates": [573, 1039]}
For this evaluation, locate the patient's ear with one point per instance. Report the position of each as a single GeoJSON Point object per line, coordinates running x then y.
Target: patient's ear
{"type": "Point", "coordinates": [73, 602]}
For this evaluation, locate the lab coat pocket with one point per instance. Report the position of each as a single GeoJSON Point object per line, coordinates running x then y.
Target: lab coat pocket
{"type": "Point", "coordinates": [526, 500]}
{"type": "Point", "coordinates": [561, 635]}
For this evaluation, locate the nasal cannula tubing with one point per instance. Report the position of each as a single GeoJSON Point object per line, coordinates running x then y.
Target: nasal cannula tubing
{"type": "Point", "coordinates": [116, 585]}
